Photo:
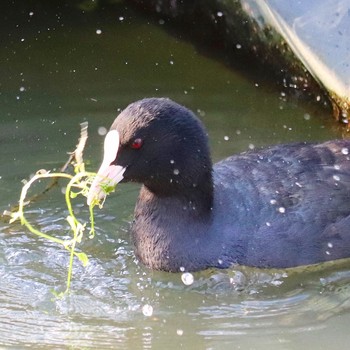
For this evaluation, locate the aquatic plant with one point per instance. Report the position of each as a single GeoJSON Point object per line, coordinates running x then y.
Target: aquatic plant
{"type": "Point", "coordinates": [79, 184]}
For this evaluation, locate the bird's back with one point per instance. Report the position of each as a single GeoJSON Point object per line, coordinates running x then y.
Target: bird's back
{"type": "Point", "coordinates": [287, 205]}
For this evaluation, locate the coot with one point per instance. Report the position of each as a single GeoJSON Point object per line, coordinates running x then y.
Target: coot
{"type": "Point", "coordinates": [279, 207]}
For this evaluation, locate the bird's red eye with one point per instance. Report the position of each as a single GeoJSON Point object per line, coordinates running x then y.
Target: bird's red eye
{"type": "Point", "coordinates": [137, 144]}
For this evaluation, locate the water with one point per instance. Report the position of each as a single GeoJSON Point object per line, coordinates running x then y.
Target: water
{"type": "Point", "coordinates": [64, 73]}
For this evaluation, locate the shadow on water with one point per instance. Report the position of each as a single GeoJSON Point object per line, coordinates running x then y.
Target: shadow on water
{"type": "Point", "coordinates": [63, 74]}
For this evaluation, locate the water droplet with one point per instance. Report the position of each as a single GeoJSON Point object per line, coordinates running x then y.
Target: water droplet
{"type": "Point", "coordinates": [219, 14]}
{"type": "Point", "coordinates": [268, 224]}
{"type": "Point", "coordinates": [273, 201]}
{"type": "Point", "coordinates": [121, 18]}
{"type": "Point", "coordinates": [176, 171]}
{"type": "Point", "coordinates": [336, 177]}
{"type": "Point", "coordinates": [345, 150]}
{"type": "Point", "coordinates": [330, 245]}
{"type": "Point", "coordinates": [187, 278]}
{"type": "Point", "coordinates": [102, 131]}
{"type": "Point", "coordinates": [251, 146]}
{"type": "Point", "coordinates": [282, 210]}
{"type": "Point", "coordinates": [226, 138]}
{"type": "Point", "coordinates": [147, 310]}
{"type": "Point", "coordinates": [307, 116]}
{"type": "Point", "coordinates": [98, 31]}
{"type": "Point", "coordinates": [238, 46]}
{"type": "Point", "coordinates": [179, 332]}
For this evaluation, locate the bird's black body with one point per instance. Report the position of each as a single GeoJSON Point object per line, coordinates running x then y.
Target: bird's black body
{"type": "Point", "coordinates": [283, 206]}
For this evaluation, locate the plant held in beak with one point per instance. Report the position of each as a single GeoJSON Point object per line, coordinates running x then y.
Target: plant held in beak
{"type": "Point", "coordinates": [79, 184]}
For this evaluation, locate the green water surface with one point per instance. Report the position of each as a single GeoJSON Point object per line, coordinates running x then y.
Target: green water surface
{"type": "Point", "coordinates": [58, 69]}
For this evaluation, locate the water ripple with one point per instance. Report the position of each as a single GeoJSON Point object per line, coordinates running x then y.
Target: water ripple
{"type": "Point", "coordinates": [104, 307]}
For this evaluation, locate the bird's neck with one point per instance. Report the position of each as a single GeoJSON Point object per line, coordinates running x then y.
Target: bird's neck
{"type": "Point", "coordinates": [194, 194]}
{"type": "Point", "coordinates": [166, 227]}
{"type": "Point", "coordinates": [196, 203]}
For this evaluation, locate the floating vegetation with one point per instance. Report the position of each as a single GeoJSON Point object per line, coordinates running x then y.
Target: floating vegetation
{"type": "Point", "coordinates": [79, 184]}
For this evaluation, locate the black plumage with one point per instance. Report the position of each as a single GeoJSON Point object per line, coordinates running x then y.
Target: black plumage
{"type": "Point", "coordinates": [283, 206]}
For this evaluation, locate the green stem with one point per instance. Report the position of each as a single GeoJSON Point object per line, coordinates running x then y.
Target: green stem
{"type": "Point", "coordinates": [22, 204]}
{"type": "Point", "coordinates": [73, 181]}
{"type": "Point", "coordinates": [77, 228]}
{"type": "Point", "coordinates": [70, 267]}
